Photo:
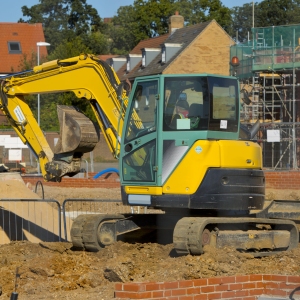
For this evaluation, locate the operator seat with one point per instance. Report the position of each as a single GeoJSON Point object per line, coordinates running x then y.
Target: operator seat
{"type": "Point", "coordinates": [195, 114]}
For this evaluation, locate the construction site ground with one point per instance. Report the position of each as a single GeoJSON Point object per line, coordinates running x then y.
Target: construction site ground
{"type": "Point", "coordinates": [57, 271]}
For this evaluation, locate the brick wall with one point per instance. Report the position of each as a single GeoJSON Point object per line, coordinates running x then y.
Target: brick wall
{"type": "Point", "coordinates": [283, 180]}
{"type": "Point", "coordinates": [108, 180]}
{"type": "Point", "coordinates": [243, 287]}
{"type": "Point", "coordinates": [276, 180]}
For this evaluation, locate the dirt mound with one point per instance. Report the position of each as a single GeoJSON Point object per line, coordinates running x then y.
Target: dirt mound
{"type": "Point", "coordinates": [56, 271]}
{"type": "Point", "coordinates": [12, 186]}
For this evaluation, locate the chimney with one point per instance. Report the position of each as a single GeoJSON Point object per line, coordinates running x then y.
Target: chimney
{"type": "Point", "coordinates": [175, 22]}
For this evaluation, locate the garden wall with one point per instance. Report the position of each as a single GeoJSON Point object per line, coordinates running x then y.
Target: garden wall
{"type": "Point", "coordinates": [243, 287]}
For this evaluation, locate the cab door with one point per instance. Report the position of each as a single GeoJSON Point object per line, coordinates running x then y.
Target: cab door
{"type": "Point", "coordinates": [138, 163]}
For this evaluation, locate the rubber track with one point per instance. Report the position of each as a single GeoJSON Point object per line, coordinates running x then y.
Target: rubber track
{"type": "Point", "coordinates": [188, 231]}
{"type": "Point", "coordinates": [84, 231]}
{"type": "Point", "coordinates": [76, 232]}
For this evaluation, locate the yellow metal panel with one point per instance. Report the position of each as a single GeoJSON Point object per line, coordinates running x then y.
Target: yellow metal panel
{"type": "Point", "coordinates": [240, 154]}
{"type": "Point", "coordinates": [191, 170]}
{"type": "Point", "coordinates": [143, 190]}
{"type": "Point", "coordinates": [211, 154]}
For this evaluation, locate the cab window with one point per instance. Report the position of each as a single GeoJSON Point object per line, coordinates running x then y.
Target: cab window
{"type": "Point", "coordinates": [186, 103]}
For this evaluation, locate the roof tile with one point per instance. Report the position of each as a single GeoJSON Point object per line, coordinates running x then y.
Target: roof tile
{"type": "Point", "coordinates": [27, 35]}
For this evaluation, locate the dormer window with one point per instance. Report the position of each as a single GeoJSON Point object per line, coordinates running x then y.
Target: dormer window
{"type": "Point", "coordinates": [132, 61]}
{"type": "Point", "coordinates": [168, 50]}
{"type": "Point", "coordinates": [14, 47]}
{"type": "Point", "coordinates": [148, 54]}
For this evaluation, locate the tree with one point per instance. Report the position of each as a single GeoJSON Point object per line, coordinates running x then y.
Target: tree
{"type": "Point", "coordinates": [196, 11]}
{"type": "Point", "coordinates": [67, 49]}
{"type": "Point", "coordinates": [242, 21]}
{"type": "Point", "coordinates": [121, 31]}
{"type": "Point", "coordinates": [97, 42]}
{"type": "Point", "coordinates": [274, 12]}
{"type": "Point", "coordinates": [152, 17]}
{"type": "Point", "coordinates": [63, 19]}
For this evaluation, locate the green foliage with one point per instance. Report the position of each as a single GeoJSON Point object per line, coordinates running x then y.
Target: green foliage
{"type": "Point", "coordinates": [266, 13]}
{"type": "Point", "coordinates": [196, 11]}
{"type": "Point", "coordinates": [48, 112]}
{"type": "Point", "coordinates": [241, 21]}
{"type": "Point", "coordinates": [63, 19]}
{"type": "Point", "coordinates": [152, 16]}
{"type": "Point", "coordinates": [97, 43]}
{"type": "Point", "coordinates": [121, 31]}
{"type": "Point", "coordinates": [28, 61]}
{"type": "Point", "coordinates": [67, 49]}
{"type": "Point", "coordinates": [4, 126]}
{"type": "Point", "coordinates": [276, 12]}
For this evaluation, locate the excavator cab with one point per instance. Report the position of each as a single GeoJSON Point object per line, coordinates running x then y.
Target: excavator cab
{"type": "Point", "coordinates": [165, 152]}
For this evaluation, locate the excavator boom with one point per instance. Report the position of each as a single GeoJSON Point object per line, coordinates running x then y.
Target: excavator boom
{"type": "Point", "coordinates": [88, 78]}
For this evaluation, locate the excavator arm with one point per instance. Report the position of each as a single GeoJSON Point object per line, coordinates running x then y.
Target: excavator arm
{"type": "Point", "coordinates": [88, 78]}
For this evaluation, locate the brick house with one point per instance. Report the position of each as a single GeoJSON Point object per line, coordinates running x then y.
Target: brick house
{"type": "Point", "coordinates": [199, 48]}
{"type": "Point", "coordinates": [17, 40]}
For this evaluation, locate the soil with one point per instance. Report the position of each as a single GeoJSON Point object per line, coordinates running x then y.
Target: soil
{"type": "Point", "coordinates": [57, 271]}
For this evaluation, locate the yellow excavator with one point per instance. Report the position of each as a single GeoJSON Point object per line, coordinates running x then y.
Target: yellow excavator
{"type": "Point", "coordinates": [180, 147]}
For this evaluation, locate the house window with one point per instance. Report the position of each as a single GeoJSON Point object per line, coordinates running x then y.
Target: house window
{"type": "Point", "coordinates": [14, 47]}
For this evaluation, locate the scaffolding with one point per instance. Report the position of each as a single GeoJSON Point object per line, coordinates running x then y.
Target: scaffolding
{"type": "Point", "coordinates": [269, 74]}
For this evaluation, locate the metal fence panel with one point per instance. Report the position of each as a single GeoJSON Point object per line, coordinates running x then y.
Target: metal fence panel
{"type": "Point", "coordinates": [30, 219]}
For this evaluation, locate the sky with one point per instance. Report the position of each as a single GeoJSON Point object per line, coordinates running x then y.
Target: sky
{"type": "Point", "coordinates": [11, 10]}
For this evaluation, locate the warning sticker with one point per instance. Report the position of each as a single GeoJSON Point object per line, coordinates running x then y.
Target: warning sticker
{"type": "Point", "coordinates": [19, 114]}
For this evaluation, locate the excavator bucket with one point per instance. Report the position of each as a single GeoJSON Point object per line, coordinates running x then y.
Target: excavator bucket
{"type": "Point", "coordinates": [77, 132]}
